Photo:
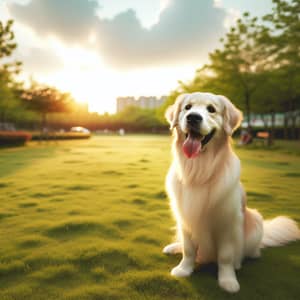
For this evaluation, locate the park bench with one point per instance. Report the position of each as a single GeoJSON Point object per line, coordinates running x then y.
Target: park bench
{"type": "Point", "coordinates": [262, 136]}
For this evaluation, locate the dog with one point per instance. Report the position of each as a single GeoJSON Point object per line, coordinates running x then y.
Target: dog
{"type": "Point", "coordinates": [207, 198]}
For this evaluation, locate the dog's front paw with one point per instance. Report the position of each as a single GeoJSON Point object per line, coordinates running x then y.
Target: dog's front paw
{"type": "Point", "coordinates": [230, 285]}
{"type": "Point", "coordinates": [180, 271]}
{"type": "Point", "coordinates": [172, 248]}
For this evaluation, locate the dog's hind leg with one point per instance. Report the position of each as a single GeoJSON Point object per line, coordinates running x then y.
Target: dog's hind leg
{"type": "Point", "coordinates": [253, 233]}
{"type": "Point", "coordinates": [173, 248]}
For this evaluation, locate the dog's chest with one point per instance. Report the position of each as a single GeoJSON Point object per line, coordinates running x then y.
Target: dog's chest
{"type": "Point", "coordinates": [194, 207]}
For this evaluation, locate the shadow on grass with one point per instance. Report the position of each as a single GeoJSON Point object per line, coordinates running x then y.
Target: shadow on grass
{"type": "Point", "coordinates": [292, 174]}
{"type": "Point", "coordinates": [259, 196]}
{"type": "Point", "coordinates": [72, 228]}
{"type": "Point", "coordinates": [13, 159]}
{"type": "Point", "coordinates": [113, 261]}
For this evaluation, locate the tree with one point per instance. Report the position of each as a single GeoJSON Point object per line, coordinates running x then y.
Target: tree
{"type": "Point", "coordinates": [238, 67]}
{"type": "Point", "coordinates": [136, 118]}
{"type": "Point", "coordinates": [282, 39]}
{"type": "Point", "coordinates": [46, 100]}
{"type": "Point", "coordinates": [268, 100]}
{"type": "Point", "coordinates": [8, 99]}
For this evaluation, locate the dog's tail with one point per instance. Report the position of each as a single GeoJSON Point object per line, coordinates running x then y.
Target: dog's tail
{"type": "Point", "coordinates": [279, 231]}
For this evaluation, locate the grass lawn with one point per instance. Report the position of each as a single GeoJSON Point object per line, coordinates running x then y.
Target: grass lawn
{"type": "Point", "coordinates": [88, 220]}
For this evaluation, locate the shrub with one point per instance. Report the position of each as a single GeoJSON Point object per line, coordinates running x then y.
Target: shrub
{"type": "Point", "coordinates": [14, 138]}
{"type": "Point", "coordinates": [61, 136]}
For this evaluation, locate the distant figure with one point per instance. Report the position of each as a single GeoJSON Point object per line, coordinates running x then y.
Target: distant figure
{"type": "Point", "coordinates": [121, 131]}
{"type": "Point", "coordinates": [246, 137]}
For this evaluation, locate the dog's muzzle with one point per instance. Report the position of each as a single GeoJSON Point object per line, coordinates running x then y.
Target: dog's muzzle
{"type": "Point", "coordinates": [194, 141]}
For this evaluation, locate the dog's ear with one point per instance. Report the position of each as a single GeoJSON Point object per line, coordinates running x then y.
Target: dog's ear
{"type": "Point", "coordinates": [232, 116]}
{"type": "Point", "coordinates": [172, 111]}
{"type": "Point", "coordinates": [169, 115]}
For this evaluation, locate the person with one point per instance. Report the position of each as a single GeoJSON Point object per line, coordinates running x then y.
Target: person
{"type": "Point", "coordinates": [121, 131]}
{"type": "Point", "coordinates": [246, 137]}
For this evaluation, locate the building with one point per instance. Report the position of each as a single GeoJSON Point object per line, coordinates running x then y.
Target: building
{"type": "Point", "coordinates": [150, 102]}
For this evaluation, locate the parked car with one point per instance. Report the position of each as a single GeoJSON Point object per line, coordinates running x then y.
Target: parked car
{"type": "Point", "coordinates": [79, 129]}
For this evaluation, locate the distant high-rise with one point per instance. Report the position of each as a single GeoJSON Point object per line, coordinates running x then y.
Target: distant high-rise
{"type": "Point", "coordinates": [149, 102]}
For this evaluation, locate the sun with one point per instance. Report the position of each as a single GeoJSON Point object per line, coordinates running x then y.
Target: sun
{"type": "Point", "coordinates": [85, 87]}
{"type": "Point", "coordinates": [85, 77]}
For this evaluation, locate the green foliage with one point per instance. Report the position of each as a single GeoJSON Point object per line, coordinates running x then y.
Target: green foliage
{"type": "Point", "coordinates": [283, 36]}
{"type": "Point", "coordinates": [135, 116]}
{"type": "Point", "coordinates": [7, 47]}
{"type": "Point", "coordinates": [84, 220]}
{"type": "Point", "coordinates": [7, 44]}
{"type": "Point", "coordinates": [284, 32]}
{"type": "Point", "coordinates": [9, 101]}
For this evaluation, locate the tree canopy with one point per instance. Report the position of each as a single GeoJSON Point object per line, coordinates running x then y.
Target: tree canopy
{"type": "Point", "coordinates": [44, 100]}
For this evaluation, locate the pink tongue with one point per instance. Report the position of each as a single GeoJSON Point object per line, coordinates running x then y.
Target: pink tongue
{"type": "Point", "coordinates": [191, 147]}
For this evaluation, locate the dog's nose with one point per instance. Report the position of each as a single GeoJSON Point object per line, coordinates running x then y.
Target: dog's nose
{"type": "Point", "coordinates": [194, 118]}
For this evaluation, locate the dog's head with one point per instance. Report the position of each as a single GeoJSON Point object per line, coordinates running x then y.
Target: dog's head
{"type": "Point", "coordinates": [202, 117]}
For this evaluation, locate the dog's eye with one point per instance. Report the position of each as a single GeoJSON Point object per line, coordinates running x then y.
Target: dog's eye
{"type": "Point", "coordinates": [211, 109]}
{"type": "Point", "coordinates": [188, 106]}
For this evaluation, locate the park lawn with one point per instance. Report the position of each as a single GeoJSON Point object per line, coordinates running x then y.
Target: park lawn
{"type": "Point", "coordinates": [88, 220]}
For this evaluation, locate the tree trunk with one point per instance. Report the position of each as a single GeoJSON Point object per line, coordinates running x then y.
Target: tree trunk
{"type": "Point", "coordinates": [247, 105]}
{"type": "Point", "coordinates": [2, 116]}
{"type": "Point", "coordinates": [293, 127]}
{"type": "Point", "coordinates": [265, 122]}
{"type": "Point", "coordinates": [271, 133]}
{"type": "Point", "coordinates": [285, 126]}
{"type": "Point", "coordinates": [44, 125]}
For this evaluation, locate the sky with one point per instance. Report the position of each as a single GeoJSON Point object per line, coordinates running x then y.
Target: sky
{"type": "Point", "coordinates": [101, 49]}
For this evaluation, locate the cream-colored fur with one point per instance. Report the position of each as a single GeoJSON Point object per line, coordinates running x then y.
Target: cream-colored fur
{"type": "Point", "coordinates": [208, 200]}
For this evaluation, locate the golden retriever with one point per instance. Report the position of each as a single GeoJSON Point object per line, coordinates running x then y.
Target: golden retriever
{"type": "Point", "coordinates": [207, 198]}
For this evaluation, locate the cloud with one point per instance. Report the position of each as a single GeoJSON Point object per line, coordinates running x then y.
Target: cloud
{"type": "Point", "coordinates": [40, 60]}
{"type": "Point", "coordinates": [71, 20]}
{"type": "Point", "coordinates": [185, 32]}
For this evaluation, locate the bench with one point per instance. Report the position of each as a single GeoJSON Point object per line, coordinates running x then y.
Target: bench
{"type": "Point", "coordinates": [262, 136]}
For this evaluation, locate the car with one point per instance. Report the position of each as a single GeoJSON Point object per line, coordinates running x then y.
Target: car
{"type": "Point", "coordinates": [79, 129]}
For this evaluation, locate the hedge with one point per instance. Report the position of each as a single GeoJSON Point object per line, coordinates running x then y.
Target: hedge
{"type": "Point", "coordinates": [14, 138]}
{"type": "Point", "coordinates": [60, 136]}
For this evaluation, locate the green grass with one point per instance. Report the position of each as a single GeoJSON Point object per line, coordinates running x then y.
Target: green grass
{"type": "Point", "coordinates": [88, 220]}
